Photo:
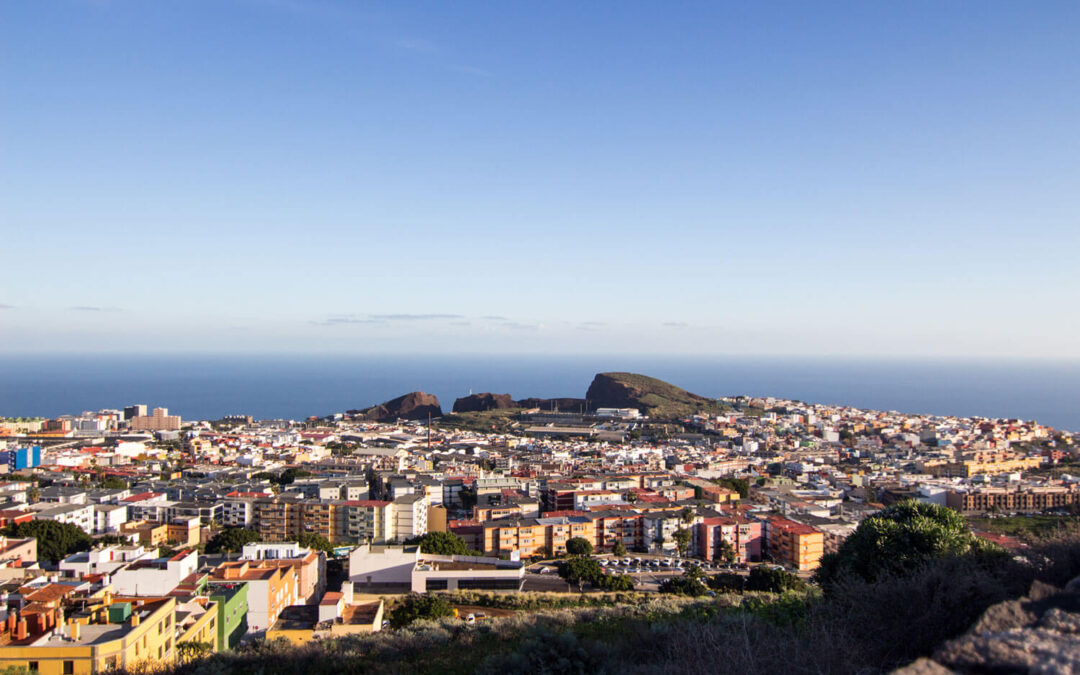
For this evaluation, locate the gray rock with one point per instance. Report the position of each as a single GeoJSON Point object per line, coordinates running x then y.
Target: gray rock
{"type": "Point", "coordinates": [1003, 616]}
{"type": "Point", "coordinates": [1031, 650]}
{"type": "Point", "coordinates": [923, 666]}
{"type": "Point", "coordinates": [1061, 621]}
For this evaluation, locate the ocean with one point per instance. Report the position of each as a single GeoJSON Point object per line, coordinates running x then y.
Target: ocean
{"type": "Point", "coordinates": [294, 387]}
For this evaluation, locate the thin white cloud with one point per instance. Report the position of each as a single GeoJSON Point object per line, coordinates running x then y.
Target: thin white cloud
{"type": "Point", "coordinates": [415, 317]}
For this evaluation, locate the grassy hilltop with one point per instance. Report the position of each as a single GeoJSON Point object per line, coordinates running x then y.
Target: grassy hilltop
{"type": "Point", "coordinates": [651, 396]}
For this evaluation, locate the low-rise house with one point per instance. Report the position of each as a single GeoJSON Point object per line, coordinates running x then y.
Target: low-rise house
{"type": "Point", "coordinates": [155, 577]}
{"type": "Point", "coordinates": [404, 568]}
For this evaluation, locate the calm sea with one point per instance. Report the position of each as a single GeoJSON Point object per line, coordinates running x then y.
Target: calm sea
{"type": "Point", "coordinates": [207, 387]}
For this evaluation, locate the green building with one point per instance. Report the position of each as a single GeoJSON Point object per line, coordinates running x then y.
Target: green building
{"type": "Point", "coordinates": [231, 599]}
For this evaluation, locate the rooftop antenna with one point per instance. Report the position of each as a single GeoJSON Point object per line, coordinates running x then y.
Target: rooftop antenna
{"type": "Point", "coordinates": [429, 431]}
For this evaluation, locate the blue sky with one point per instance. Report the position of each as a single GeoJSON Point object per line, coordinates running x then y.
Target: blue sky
{"type": "Point", "coordinates": [668, 178]}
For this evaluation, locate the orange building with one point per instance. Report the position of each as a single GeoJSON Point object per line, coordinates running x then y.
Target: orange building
{"type": "Point", "coordinates": [271, 589]}
{"type": "Point", "coordinates": [794, 544]}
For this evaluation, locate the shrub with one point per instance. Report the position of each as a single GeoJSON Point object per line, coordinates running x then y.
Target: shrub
{"type": "Point", "coordinates": [772, 580]}
{"type": "Point", "coordinates": [727, 582]}
{"type": "Point", "coordinates": [416, 606]}
{"type": "Point", "coordinates": [231, 540]}
{"type": "Point", "coordinates": [900, 538]}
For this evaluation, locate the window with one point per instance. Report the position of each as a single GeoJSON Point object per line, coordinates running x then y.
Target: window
{"type": "Point", "coordinates": [69, 667]}
{"type": "Point", "coordinates": [32, 666]}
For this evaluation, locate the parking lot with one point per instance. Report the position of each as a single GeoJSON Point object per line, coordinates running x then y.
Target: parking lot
{"type": "Point", "coordinates": [647, 571]}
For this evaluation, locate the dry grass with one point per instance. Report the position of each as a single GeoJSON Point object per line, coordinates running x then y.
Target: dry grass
{"type": "Point", "coordinates": [859, 628]}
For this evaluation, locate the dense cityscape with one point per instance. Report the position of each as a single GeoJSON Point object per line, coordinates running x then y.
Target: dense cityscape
{"type": "Point", "coordinates": [134, 536]}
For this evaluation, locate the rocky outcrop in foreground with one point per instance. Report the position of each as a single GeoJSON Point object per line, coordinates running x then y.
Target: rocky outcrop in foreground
{"type": "Point", "coordinates": [483, 402]}
{"type": "Point", "coordinates": [1039, 633]}
{"type": "Point", "coordinates": [415, 405]}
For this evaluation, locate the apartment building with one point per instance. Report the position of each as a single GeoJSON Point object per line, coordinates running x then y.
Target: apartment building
{"type": "Point", "coordinates": [79, 515]}
{"type": "Point", "coordinates": [369, 521]}
{"type": "Point", "coordinates": [410, 516]}
{"type": "Point", "coordinates": [1029, 499]}
{"type": "Point", "coordinates": [983, 463]}
{"type": "Point", "coordinates": [742, 534]}
{"type": "Point", "coordinates": [232, 603]}
{"type": "Point", "coordinates": [310, 566]}
{"type": "Point", "coordinates": [271, 588]}
{"type": "Point", "coordinates": [54, 637]}
{"type": "Point", "coordinates": [155, 577]}
{"type": "Point", "coordinates": [535, 536]}
{"type": "Point", "coordinates": [158, 420]}
{"type": "Point", "coordinates": [792, 543]}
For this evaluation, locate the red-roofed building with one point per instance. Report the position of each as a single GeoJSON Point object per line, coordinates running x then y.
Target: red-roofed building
{"type": "Point", "coordinates": [792, 543]}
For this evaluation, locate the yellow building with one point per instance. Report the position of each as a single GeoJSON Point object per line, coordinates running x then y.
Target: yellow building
{"type": "Point", "coordinates": [97, 635]}
{"type": "Point", "coordinates": [150, 534]}
{"type": "Point", "coordinates": [976, 463]}
{"type": "Point", "coordinates": [535, 536]}
{"type": "Point", "coordinates": [196, 621]}
{"type": "Point", "coordinates": [436, 518]}
{"type": "Point", "coordinates": [794, 544]}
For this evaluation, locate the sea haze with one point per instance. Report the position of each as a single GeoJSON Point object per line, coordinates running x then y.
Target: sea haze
{"type": "Point", "coordinates": [208, 387]}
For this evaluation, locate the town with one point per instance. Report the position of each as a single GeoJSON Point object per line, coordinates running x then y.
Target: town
{"type": "Point", "coordinates": [135, 536]}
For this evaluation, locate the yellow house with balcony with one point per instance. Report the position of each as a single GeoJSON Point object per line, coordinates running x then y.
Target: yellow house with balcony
{"type": "Point", "coordinates": [97, 635]}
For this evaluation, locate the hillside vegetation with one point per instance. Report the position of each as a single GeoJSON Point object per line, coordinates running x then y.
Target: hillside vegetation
{"type": "Point", "coordinates": [862, 622]}
{"type": "Point", "coordinates": [651, 396]}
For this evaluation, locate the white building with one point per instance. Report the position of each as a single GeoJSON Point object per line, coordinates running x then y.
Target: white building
{"type": "Point", "coordinates": [405, 567]}
{"type": "Point", "coordinates": [155, 577]}
{"type": "Point", "coordinates": [80, 515]}
{"type": "Point", "coordinates": [410, 516]}
{"type": "Point", "coordinates": [109, 517]}
{"type": "Point", "coordinates": [104, 560]}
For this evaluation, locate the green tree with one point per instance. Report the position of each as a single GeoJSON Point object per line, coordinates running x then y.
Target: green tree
{"type": "Point", "coordinates": [727, 583]}
{"type": "Point", "coordinates": [682, 538]}
{"type": "Point", "coordinates": [580, 569]}
{"type": "Point", "coordinates": [740, 485]}
{"type": "Point", "coordinates": [109, 539]}
{"type": "Point", "coordinates": [113, 483]}
{"type": "Point", "coordinates": [55, 541]}
{"type": "Point", "coordinates": [772, 580]}
{"type": "Point", "coordinates": [441, 543]}
{"type": "Point", "coordinates": [189, 651]}
{"type": "Point", "coordinates": [316, 542]}
{"type": "Point", "coordinates": [231, 540]}
{"type": "Point", "coordinates": [619, 549]}
{"type": "Point", "coordinates": [416, 606]}
{"type": "Point", "coordinates": [726, 552]}
{"type": "Point", "coordinates": [289, 476]}
{"type": "Point", "coordinates": [686, 584]}
{"type": "Point", "coordinates": [898, 539]}
{"type": "Point", "coordinates": [616, 582]}
{"type": "Point", "coordinates": [687, 515]}
{"type": "Point", "coordinates": [579, 546]}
